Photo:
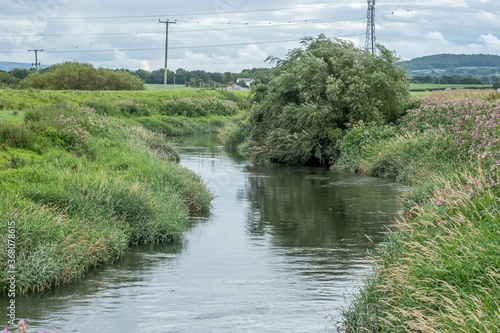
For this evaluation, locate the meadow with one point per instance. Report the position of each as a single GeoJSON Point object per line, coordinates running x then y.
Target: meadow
{"type": "Point", "coordinates": [151, 86]}
{"type": "Point", "coordinates": [431, 86]}
{"type": "Point", "coordinates": [84, 175]}
{"type": "Point", "coordinates": [439, 270]}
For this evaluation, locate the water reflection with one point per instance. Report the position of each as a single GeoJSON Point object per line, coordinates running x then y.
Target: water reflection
{"type": "Point", "coordinates": [317, 208]}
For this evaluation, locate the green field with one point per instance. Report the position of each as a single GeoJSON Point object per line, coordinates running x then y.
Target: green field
{"type": "Point", "coordinates": [430, 86]}
{"type": "Point", "coordinates": [169, 87]}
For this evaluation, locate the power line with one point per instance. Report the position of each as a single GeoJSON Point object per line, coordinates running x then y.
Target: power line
{"type": "Point", "coordinates": [180, 14]}
{"type": "Point", "coordinates": [246, 25]}
{"type": "Point", "coordinates": [178, 47]}
{"type": "Point", "coordinates": [395, 20]}
{"type": "Point", "coordinates": [437, 7]}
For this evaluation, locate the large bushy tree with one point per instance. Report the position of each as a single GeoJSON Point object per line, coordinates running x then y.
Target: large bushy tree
{"type": "Point", "coordinates": [322, 86]}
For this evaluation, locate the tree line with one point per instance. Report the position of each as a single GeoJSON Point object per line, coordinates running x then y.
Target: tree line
{"type": "Point", "coordinates": [457, 79]}
{"type": "Point", "coordinates": [444, 61]}
{"type": "Point", "coordinates": [79, 76]}
{"type": "Point", "coordinates": [197, 77]}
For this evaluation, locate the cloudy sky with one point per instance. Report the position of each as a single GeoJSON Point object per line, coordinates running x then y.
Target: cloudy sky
{"type": "Point", "coordinates": [232, 35]}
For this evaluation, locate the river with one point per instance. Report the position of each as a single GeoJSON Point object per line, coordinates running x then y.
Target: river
{"type": "Point", "coordinates": [282, 250]}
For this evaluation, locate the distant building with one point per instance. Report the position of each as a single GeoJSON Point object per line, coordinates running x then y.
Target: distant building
{"type": "Point", "coordinates": [246, 80]}
{"type": "Point", "coordinates": [234, 86]}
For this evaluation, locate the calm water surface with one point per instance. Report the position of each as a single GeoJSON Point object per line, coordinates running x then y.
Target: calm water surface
{"type": "Point", "coordinates": [281, 251]}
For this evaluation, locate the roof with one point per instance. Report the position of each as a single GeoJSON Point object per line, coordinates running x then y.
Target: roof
{"type": "Point", "coordinates": [236, 87]}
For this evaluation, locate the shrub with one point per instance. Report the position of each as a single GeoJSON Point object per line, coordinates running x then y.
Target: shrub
{"type": "Point", "coordinates": [73, 135]}
{"type": "Point", "coordinates": [131, 107]}
{"type": "Point", "coordinates": [103, 107]}
{"type": "Point", "coordinates": [17, 135]}
{"type": "Point", "coordinates": [78, 76]}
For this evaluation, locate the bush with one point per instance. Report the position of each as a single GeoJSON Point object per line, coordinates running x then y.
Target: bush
{"type": "Point", "coordinates": [7, 80]}
{"type": "Point", "coordinates": [17, 135]}
{"type": "Point", "coordinates": [131, 107]}
{"type": "Point", "coordinates": [78, 76]}
{"type": "Point", "coordinates": [102, 107]}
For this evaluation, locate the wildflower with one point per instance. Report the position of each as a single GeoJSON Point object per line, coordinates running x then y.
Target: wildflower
{"type": "Point", "coordinates": [23, 325]}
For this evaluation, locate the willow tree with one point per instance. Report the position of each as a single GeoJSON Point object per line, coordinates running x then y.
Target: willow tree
{"type": "Point", "coordinates": [322, 86]}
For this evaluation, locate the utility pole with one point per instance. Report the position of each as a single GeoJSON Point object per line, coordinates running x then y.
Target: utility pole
{"type": "Point", "coordinates": [167, 23]}
{"type": "Point", "coordinates": [36, 58]}
{"type": "Point", "coordinates": [370, 27]}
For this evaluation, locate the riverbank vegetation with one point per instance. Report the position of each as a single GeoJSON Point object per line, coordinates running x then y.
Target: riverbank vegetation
{"type": "Point", "coordinates": [82, 177]}
{"type": "Point", "coordinates": [438, 271]}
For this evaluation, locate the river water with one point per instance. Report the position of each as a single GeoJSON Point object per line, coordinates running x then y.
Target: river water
{"type": "Point", "coordinates": [282, 250]}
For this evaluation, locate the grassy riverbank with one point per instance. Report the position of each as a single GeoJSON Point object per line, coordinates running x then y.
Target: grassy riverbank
{"type": "Point", "coordinates": [440, 269]}
{"type": "Point", "coordinates": [80, 183]}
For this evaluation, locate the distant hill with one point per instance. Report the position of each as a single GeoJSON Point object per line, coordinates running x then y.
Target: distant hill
{"type": "Point", "coordinates": [7, 66]}
{"type": "Point", "coordinates": [454, 64]}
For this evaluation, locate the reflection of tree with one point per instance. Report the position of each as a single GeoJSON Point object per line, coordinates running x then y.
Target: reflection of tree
{"type": "Point", "coordinates": [310, 207]}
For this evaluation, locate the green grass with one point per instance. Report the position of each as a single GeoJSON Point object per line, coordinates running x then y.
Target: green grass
{"type": "Point", "coordinates": [82, 188]}
{"type": "Point", "coordinates": [11, 116]}
{"type": "Point", "coordinates": [169, 87]}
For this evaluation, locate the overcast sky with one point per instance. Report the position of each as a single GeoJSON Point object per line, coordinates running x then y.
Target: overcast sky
{"type": "Point", "coordinates": [232, 35]}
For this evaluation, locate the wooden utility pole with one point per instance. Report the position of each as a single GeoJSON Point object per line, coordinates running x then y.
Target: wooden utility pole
{"type": "Point", "coordinates": [167, 23]}
{"type": "Point", "coordinates": [36, 58]}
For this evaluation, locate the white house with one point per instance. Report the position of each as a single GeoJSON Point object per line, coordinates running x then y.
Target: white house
{"type": "Point", "coordinates": [246, 80]}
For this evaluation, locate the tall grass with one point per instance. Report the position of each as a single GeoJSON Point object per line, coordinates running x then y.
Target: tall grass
{"type": "Point", "coordinates": [440, 272]}
{"type": "Point", "coordinates": [177, 125]}
{"type": "Point", "coordinates": [439, 269]}
{"type": "Point", "coordinates": [77, 206]}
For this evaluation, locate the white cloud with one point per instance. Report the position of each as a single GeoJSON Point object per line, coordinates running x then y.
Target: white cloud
{"type": "Point", "coordinates": [492, 41]}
